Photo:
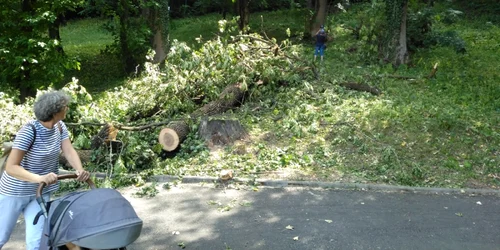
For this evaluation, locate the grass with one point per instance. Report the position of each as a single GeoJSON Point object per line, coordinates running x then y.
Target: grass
{"type": "Point", "coordinates": [86, 41]}
{"type": "Point", "coordinates": [440, 132]}
{"type": "Point", "coordinates": [206, 27]}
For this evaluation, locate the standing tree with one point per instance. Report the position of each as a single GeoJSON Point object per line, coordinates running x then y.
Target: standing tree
{"type": "Point", "coordinates": [394, 49]}
{"type": "Point", "coordinates": [244, 13]}
{"type": "Point", "coordinates": [30, 50]}
{"type": "Point", "coordinates": [158, 20]}
{"type": "Point", "coordinates": [318, 17]}
{"type": "Point", "coordinates": [137, 26]}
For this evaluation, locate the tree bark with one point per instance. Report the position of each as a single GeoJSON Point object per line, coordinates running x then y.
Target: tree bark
{"type": "Point", "coordinates": [244, 13]}
{"type": "Point", "coordinates": [394, 48]}
{"type": "Point", "coordinates": [361, 87]}
{"type": "Point", "coordinates": [127, 58]}
{"type": "Point", "coordinates": [55, 34]}
{"type": "Point", "coordinates": [221, 132]}
{"type": "Point", "coordinates": [402, 56]}
{"type": "Point", "coordinates": [319, 17]}
{"type": "Point", "coordinates": [158, 22]}
{"type": "Point", "coordinates": [232, 96]}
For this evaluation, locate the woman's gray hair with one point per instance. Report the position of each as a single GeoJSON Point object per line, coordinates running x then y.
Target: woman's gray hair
{"type": "Point", "coordinates": [49, 104]}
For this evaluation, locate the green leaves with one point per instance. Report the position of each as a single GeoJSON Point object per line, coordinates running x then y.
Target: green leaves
{"type": "Point", "coordinates": [29, 55]}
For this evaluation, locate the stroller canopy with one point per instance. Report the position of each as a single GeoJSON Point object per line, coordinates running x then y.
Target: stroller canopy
{"type": "Point", "coordinates": [98, 218]}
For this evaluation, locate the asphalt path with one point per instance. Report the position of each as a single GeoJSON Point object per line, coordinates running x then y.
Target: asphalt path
{"type": "Point", "coordinates": [195, 216]}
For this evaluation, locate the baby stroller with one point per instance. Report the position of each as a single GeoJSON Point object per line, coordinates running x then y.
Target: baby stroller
{"type": "Point", "coordinates": [100, 218]}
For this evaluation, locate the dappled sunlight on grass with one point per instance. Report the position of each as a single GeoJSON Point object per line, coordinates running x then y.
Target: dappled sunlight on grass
{"type": "Point", "coordinates": [86, 40]}
{"type": "Point", "coordinates": [85, 36]}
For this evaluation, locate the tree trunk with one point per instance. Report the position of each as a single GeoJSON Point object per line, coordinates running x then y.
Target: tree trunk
{"type": "Point", "coordinates": [158, 18]}
{"type": "Point", "coordinates": [244, 14]}
{"type": "Point", "coordinates": [127, 59]}
{"type": "Point", "coordinates": [319, 17]}
{"type": "Point", "coordinates": [394, 48]}
{"type": "Point", "coordinates": [402, 56]}
{"type": "Point", "coordinates": [361, 87]}
{"type": "Point", "coordinates": [107, 133]}
{"type": "Point", "coordinates": [232, 96]}
{"type": "Point", "coordinates": [55, 34]}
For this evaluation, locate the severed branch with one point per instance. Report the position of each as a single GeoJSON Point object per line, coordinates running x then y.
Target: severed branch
{"type": "Point", "coordinates": [313, 67]}
{"type": "Point", "coordinates": [433, 71]}
{"type": "Point", "coordinates": [431, 75]}
{"type": "Point", "coordinates": [402, 77]}
{"type": "Point", "coordinates": [256, 38]}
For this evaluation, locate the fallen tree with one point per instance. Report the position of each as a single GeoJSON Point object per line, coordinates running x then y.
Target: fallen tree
{"type": "Point", "coordinates": [253, 60]}
{"type": "Point", "coordinates": [361, 87]}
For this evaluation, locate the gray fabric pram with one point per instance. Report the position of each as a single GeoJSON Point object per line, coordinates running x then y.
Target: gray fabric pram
{"type": "Point", "coordinates": [98, 219]}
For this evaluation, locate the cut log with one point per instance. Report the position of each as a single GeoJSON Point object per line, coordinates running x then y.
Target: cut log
{"type": "Point", "coordinates": [172, 136]}
{"type": "Point", "coordinates": [221, 132]}
{"type": "Point", "coordinates": [361, 87]}
{"type": "Point", "coordinates": [85, 156]}
{"type": "Point", "coordinates": [231, 97]}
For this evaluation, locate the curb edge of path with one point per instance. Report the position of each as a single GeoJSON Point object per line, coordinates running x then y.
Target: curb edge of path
{"type": "Point", "coordinates": [316, 184]}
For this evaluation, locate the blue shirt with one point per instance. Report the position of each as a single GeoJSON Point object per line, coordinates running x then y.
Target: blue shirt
{"type": "Point", "coordinates": [42, 158]}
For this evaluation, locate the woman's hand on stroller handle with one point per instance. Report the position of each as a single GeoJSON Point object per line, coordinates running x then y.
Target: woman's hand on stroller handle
{"type": "Point", "coordinates": [62, 177]}
{"type": "Point", "coordinates": [48, 179]}
{"type": "Point", "coordinates": [82, 175]}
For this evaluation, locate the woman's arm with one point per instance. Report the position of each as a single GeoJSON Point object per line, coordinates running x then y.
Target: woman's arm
{"type": "Point", "coordinates": [74, 160]}
{"type": "Point", "coordinates": [14, 169]}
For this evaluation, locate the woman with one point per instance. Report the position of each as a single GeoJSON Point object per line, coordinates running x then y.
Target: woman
{"type": "Point", "coordinates": [34, 159]}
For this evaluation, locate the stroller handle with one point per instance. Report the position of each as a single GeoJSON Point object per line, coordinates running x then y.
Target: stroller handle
{"type": "Point", "coordinates": [62, 177]}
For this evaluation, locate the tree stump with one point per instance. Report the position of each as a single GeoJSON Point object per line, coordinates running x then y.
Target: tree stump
{"type": "Point", "coordinates": [221, 132]}
{"type": "Point", "coordinates": [172, 136]}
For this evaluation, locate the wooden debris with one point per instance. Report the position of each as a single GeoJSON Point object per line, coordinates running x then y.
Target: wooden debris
{"type": "Point", "coordinates": [361, 87]}
{"type": "Point", "coordinates": [226, 175]}
{"type": "Point", "coordinates": [172, 136]}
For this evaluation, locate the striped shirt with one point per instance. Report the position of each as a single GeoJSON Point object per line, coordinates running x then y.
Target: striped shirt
{"type": "Point", "coordinates": [42, 158]}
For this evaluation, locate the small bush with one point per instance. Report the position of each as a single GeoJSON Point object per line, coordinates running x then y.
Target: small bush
{"type": "Point", "coordinates": [448, 38]}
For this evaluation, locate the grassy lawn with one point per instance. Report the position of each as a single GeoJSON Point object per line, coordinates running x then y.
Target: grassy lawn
{"type": "Point", "coordinates": [86, 40]}
{"type": "Point", "coordinates": [428, 132]}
